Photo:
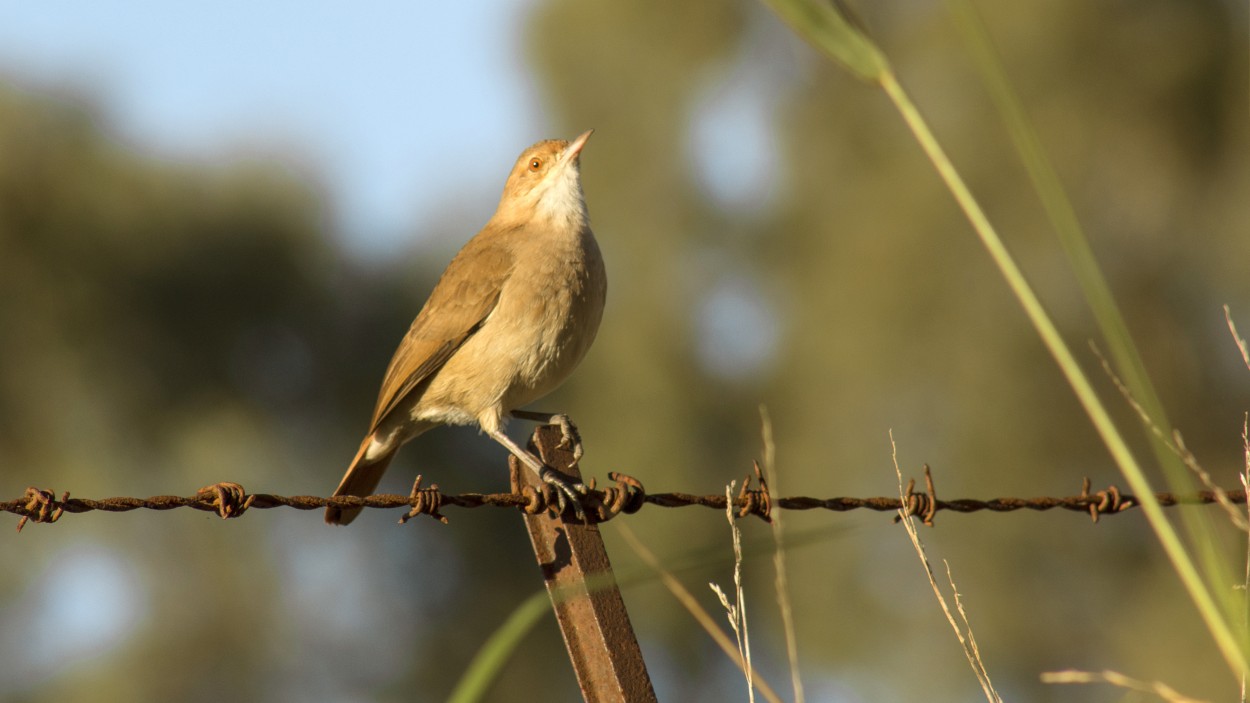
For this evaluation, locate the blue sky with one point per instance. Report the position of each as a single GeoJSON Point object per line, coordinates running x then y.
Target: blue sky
{"type": "Point", "coordinates": [363, 96]}
{"type": "Point", "coordinates": [409, 114]}
{"type": "Point", "coordinates": [397, 110]}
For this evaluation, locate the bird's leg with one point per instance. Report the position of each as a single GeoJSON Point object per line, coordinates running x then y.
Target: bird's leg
{"type": "Point", "coordinates": [565, 492]}
{"type": "Point", "coordinates": [569, 437]}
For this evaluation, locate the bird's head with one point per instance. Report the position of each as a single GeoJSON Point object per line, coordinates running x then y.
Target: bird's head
{"type": "Point", "coordinates": [546, 184]}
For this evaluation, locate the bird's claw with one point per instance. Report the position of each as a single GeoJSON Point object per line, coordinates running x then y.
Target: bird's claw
{"type": "Point", "coordinates": [569, 437]}
{"type": "Point", "coordinates": [566, 492]}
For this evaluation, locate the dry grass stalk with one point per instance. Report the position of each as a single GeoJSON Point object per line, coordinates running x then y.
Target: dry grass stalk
{"type": "Point", "coordinates": [1237, 339]}
{"type": "Point", "coordinates": [691, 604]}
{"type": "Point", "coordinates": [1176, 444]}
{"type": "Point", "coordinates": [1245, 483]}
{"type": "Point", "coordinates": [1115, 678]}
{"type": "Point", "coordinates": [737, 611]}
{"type": "Point", "coordinates": [964, 635]}
{"type": "Point", "coordinates": [779, 559]}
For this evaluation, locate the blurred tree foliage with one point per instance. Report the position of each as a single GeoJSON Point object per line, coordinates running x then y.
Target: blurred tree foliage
{"type": "Point", "coordinates": [167, 325]}
{"type": "Point", "coordinates": [887, 313]}
{"type": "Point", "coordinates": [138, 292]}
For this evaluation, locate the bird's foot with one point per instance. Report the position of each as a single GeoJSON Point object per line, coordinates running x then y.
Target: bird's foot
{"type": "Point", "coordinates": [566, 491]}
{"type": "Point", "coordinates": [569, 437]}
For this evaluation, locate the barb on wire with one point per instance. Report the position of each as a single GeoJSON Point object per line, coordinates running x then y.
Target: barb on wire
{"type": "Point", "coordinates": [625, 495]}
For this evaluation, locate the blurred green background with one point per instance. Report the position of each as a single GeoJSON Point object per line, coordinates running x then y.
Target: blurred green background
{"type": "Point", "coordinates": [773, 235]}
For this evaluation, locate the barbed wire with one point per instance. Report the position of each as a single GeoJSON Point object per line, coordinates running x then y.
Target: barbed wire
{"type": "Point", "coordinates": [627, 495]}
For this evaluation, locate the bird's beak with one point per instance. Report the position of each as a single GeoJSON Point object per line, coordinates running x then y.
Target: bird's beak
{"type": "Point", "coordinates": [574, 148]}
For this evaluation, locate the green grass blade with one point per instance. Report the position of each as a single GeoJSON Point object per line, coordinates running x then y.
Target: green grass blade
{"type": "Point", "coordinates": [825, 26]}
{"type": "Point", "coordinates": [829, 31]}
{"type": "Point", "coordinates": [1214, 618]}
{"type": "Point", "coordinates": [490, 659]}
{"type": "Point", "coordinates": [1199, 525]}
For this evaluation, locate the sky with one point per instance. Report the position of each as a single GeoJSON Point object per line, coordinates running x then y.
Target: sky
{"type": "Point", "coordinates": [364, 97]}
{"type": "Point", "coordinates": [389, 115]}
{"type": "Point", "coordinates": [407, 116]}
{"type": "Point", "coordinates": [393, 108]}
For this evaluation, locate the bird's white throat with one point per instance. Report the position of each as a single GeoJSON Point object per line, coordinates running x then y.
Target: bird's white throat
{"type": "Point", "coordinates": [560, 198]}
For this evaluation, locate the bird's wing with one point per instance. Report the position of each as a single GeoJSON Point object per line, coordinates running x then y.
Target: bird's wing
{"type": "Point", "coordinates": [461, 301]}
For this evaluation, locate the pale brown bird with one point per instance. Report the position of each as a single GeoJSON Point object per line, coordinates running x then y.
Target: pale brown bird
{"type": "Point", "coordinates": [508, 321]}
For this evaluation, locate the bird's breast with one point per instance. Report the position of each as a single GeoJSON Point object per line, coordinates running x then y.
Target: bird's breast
{"type": "Point", "coordinates": [546, 317]}
{"type": "Point", "coordinates": [557, 296]}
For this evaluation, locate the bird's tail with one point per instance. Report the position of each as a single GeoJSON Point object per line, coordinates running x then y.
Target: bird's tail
{"type": "Point", "coordinates": [360, 480]}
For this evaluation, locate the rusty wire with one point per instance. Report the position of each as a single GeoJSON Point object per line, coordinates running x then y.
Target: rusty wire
{"type": "Point", "coordinates": [626, 495]}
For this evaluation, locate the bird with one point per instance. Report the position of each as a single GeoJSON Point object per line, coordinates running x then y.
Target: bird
{"type": "Point", "coordinates": [509, 320]}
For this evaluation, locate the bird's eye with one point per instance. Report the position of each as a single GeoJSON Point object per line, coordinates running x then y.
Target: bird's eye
{"type": "Point", "coordinates": [536, 164]}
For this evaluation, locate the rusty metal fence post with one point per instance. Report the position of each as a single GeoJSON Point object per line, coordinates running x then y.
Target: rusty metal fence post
{"type": "Point", "coordinates": [587, 602]}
